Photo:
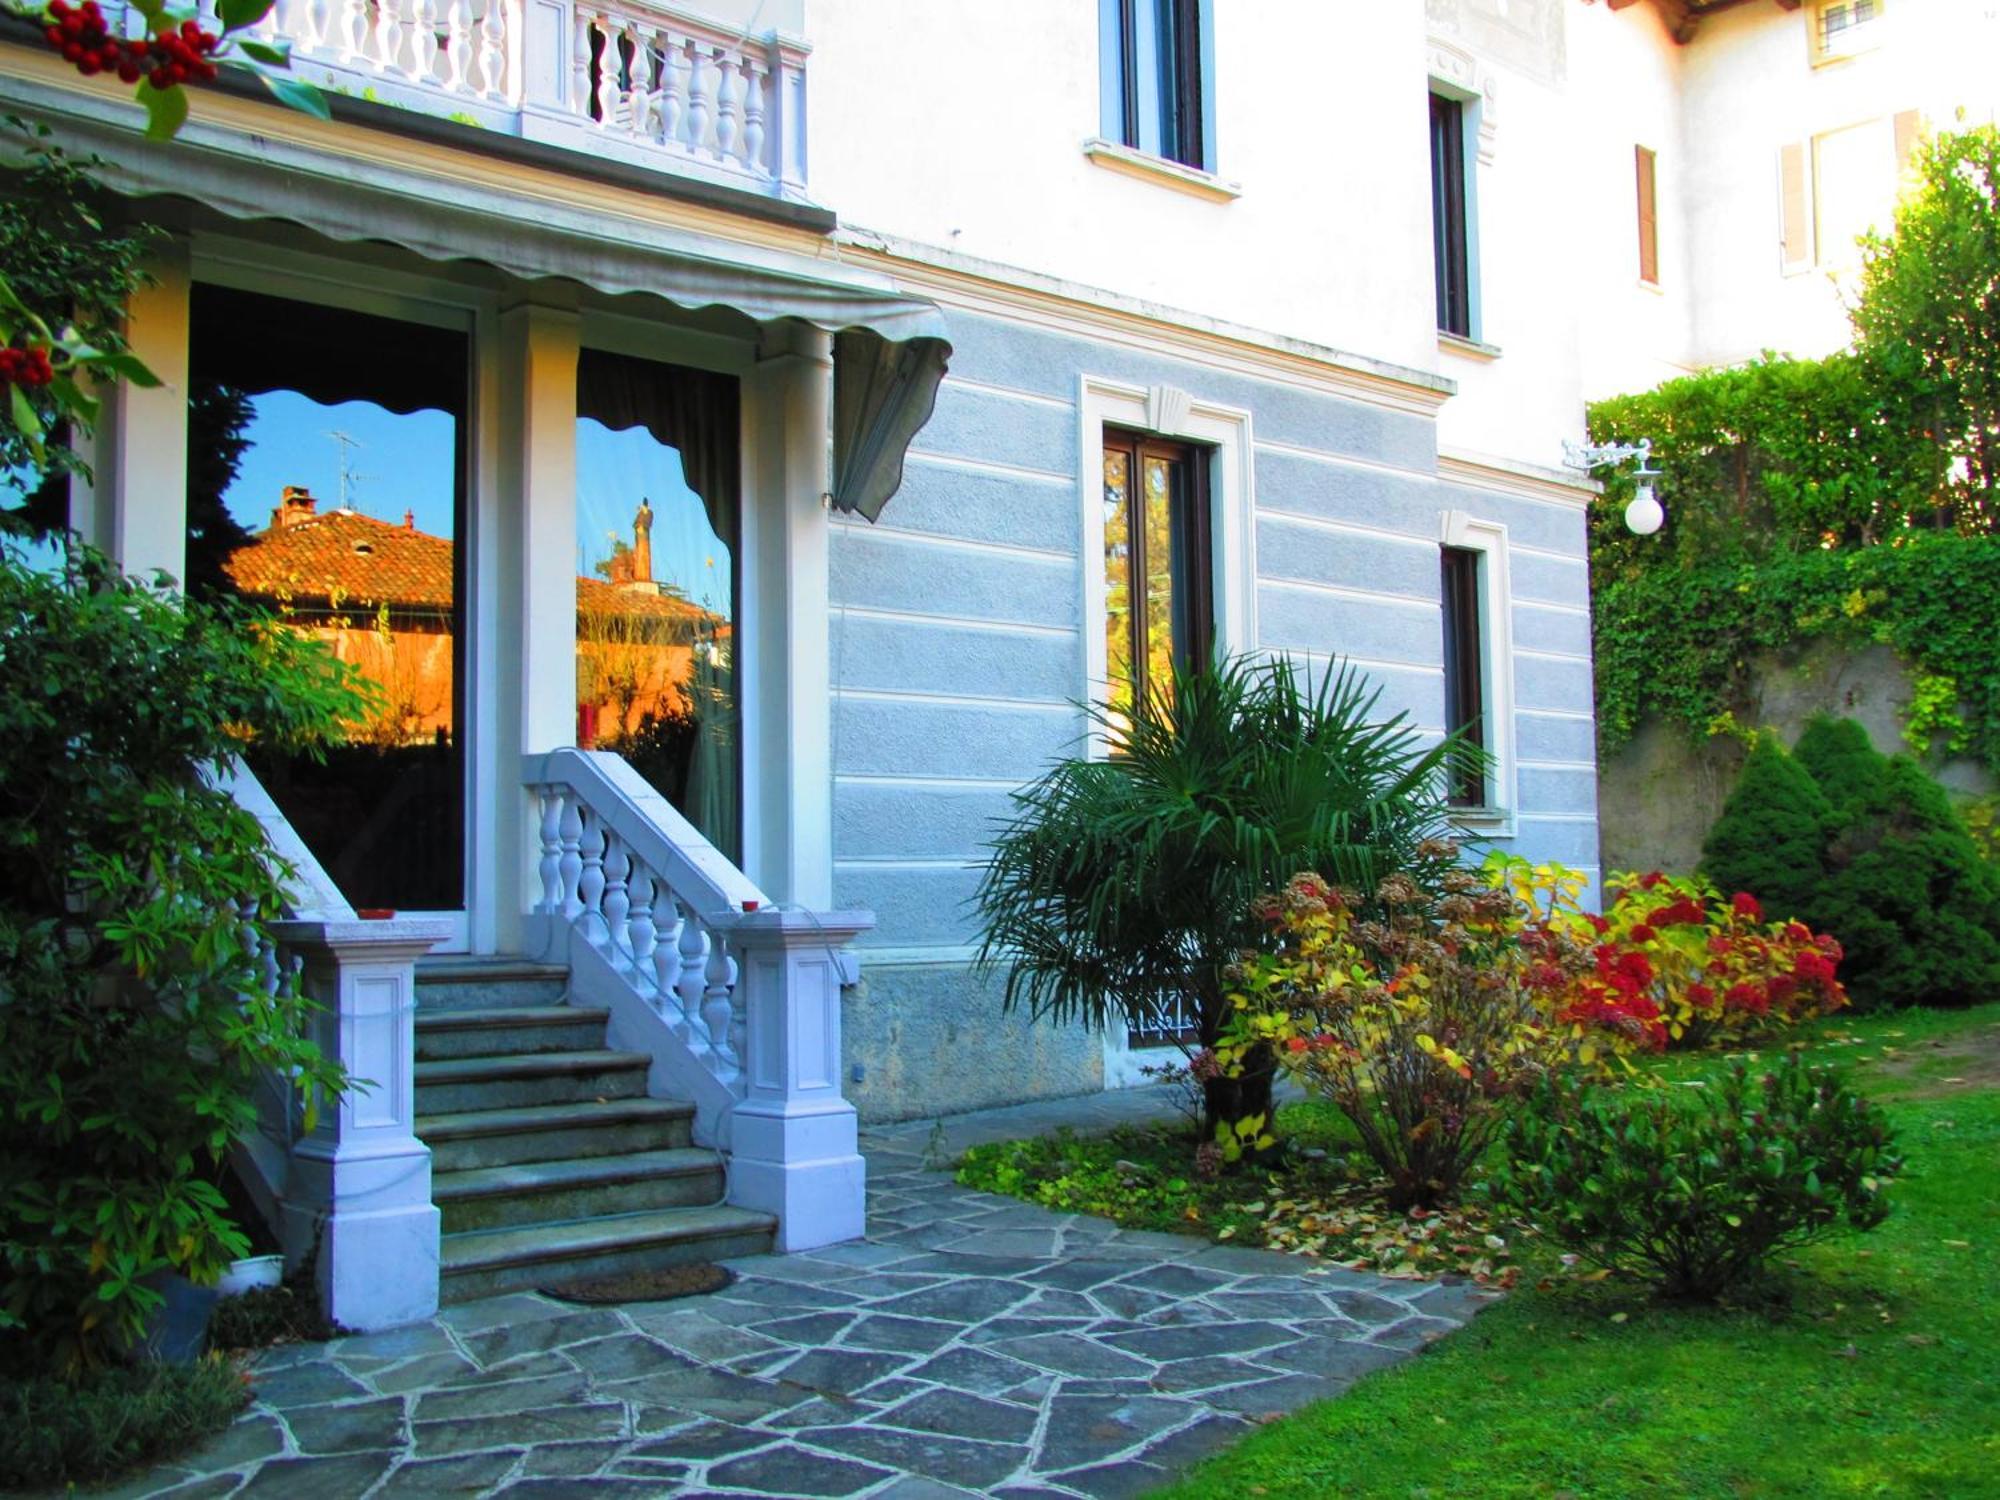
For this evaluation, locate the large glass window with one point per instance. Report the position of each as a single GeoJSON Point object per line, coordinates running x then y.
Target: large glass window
{"type": "Point", "coordinates": [326, 462]}
{"type": "Point", "coordinates": [1157, 589]}
{"type": "Point", "coordinates": [1153, 84]}
{"type": "Point", "coordinates": [656, 560]}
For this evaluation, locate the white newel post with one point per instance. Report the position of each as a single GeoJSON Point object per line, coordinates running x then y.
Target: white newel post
{"type": "Point", "coordinates": [360, 1180]}
{"type": "Point", "coordinates": [793, 1149]}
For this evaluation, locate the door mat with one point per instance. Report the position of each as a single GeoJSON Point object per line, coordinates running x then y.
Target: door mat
{"type": "Point", "coordinates": [660, 1285]}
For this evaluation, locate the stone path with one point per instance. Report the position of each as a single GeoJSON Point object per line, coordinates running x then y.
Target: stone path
{"type": "Point", "coordinates": [973, 1345]}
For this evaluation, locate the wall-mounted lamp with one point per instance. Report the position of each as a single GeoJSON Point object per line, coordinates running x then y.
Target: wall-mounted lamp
{"type": "Point", "coordinates": [1644, 515]}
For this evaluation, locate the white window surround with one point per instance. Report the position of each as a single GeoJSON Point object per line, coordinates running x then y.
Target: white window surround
{"type": "Point", "coordinates": [1171, 413]}
{"type": "Point", "coordinates": [1496, 628]}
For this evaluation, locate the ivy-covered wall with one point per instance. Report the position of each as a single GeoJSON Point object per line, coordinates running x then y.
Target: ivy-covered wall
{"type": "Point", "coordinates": [1659, 793]}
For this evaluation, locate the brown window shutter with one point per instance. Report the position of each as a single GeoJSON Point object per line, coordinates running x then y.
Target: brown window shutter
{"type": "Point", "coordinates": [1795, 222]}
{"type": "Point", "coordinates": [1909, 126]}
{"type": "Point", "coordinates": [1649, 217]}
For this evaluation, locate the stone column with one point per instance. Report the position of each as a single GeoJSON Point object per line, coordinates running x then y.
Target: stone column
{"type": "Point", "coordinates": [536, 586]}
{"type": "Point", "coordinates": [793, 1147]}
{"type": "Point", "coordinates": [360, 1181]}
{"type": "Point", "coordinates": [136, 508]}
{"type": "Point", "coordinates": [786, 622]}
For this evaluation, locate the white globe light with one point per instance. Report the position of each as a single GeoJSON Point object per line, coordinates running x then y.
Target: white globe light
{"type": "Point", "coordinates": [1644, 515]}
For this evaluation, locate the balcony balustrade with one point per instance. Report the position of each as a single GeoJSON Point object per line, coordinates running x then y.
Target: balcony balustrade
{"type": "Point", "coordinates": [632, 80]}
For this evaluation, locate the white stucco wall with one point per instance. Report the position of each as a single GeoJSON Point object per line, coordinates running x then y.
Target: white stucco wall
{"type": "Point", "coordinates": [962, 125]}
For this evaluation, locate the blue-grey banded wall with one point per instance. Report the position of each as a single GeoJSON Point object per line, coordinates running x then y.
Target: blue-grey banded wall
{"type": "Point", "coordinates": [958, 654]}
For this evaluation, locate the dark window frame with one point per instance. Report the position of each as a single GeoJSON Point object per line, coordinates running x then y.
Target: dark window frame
{"type": "Point", "coordinates": [1461, 588]}
{"type": "Point", "coordinates": [1193, 537]}
{"type": "Point", "coordinates": [1181, 50]}
{"type": "Point", "coordinates": [1450, 228]}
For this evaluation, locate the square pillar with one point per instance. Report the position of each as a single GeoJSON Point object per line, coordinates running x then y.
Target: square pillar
{"type": "Point", "coordinates": [534, 557]}
{"type": "Point", "coordinates": [359, 1188]}
{"type": "Point", "coordinates": [785, 663]}
{"type": "Point", "coordinates": [793, 1140]}
{"type": "Point", "coordinates": [135, 509]}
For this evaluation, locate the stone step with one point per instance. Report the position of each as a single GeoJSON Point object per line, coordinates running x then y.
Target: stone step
{"type": "Point", "coordinates": [469, 1139]}
{"type": "Point", "coordinates": [455, 1084]}
{"type": "Point", "coordinates": [482, 1262]}
{"type": "Point", "coordinates": [509, 1030]}
{"type": "Point", "coordinates": [456, 982]}
{"type": "Point", "coordinates": [547, 1192]}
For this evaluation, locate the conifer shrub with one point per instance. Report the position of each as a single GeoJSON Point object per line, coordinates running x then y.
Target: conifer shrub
{"type": "Point", "coordinates": [1771, 837]}
{"type": "Point", "coordinates": [1867, 847]}
{"type": "Point", "coordinates": [1910, 897]}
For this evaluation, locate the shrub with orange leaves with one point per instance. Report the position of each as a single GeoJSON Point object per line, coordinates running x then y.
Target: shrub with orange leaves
{"type": "Point", "coordinates": [1415, 1016]}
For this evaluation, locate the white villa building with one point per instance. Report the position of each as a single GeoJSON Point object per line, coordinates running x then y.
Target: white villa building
{"type": "Point", "coordinates": [903, 328]}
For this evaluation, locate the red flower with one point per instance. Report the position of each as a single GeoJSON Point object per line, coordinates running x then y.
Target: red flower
{"type": "Point", "coordinates": [1297, 1044]}
{"type": "Point", "coordinates": [1798, 932]}
{"type": "Point", "coordinates": [1649, 880]}
{"type": "Point", "coordinates": [1700, 996]}
{"type": "Point", "coordinates": [1598, 924]}
{"type": "Point", "coordinates": [1643, 934]}
{"type": "Point", "coordinates": [1747, 996]}
{"type": "Point", "coordinates": [1746, 905]}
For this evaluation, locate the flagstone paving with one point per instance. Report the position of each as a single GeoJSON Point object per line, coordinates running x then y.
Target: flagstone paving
{"type": "Point", "coordinates": [972, 1345]}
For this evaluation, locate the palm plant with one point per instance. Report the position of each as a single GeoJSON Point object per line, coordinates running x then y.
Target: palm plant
{"type": "Point", "coordinates": [1124, 886]}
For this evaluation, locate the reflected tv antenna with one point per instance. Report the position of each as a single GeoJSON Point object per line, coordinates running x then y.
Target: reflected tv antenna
{"type": "Point", "coordinates": [349, 478]}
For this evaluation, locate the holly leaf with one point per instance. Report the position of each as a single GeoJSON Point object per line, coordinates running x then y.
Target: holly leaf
{"type": "Point", "coordinates": [27, 421]}
{"type": "Point", "coordinates": [166, 109]}
{"type": "Point", "coordinates": [236, 14]}
{"type": "Point", "coordinates": [300, 96]}
{"type": "Point", "coordinates": [270, 54]}
{"type": "Point", "coordinates": [125, 367]}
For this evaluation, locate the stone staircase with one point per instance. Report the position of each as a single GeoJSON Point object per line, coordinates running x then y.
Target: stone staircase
{"type": "Point", "coordinates": [549, 1162]}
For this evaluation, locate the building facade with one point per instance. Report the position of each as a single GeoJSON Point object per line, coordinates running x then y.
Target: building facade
{"type": "Point", "coordinates": [964, 364]}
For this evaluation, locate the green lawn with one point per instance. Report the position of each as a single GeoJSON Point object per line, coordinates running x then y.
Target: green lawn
{"type": "Point", "coordinates": [1880, 1376]}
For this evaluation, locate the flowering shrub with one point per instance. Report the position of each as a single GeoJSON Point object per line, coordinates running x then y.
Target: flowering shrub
{"type": "Point", "coordinates": [1416, 1025]}
{"type": "Point", "coordinates": [1673, 959]}
{"type": "Point", "coordinates": [1697, 1188]}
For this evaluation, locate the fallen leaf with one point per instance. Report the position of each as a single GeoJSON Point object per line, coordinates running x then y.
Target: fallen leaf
{"type": "Point", "coordinates": [1850, 1352]}
{"type": "Point", "coordinates": [1919, 1340]}
{"type": "Point", "coordinates": [1619, 1317]}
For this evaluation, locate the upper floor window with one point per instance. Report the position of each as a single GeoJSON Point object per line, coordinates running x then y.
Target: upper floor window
{"type": "Point", "coordinates": [1154, 56]}
{"type": "Point", "coordinates": [1158, 607]}
{"type": "Point", "coordinates": [1449, 240]}
{"type": "Point", "coordinates": [1841, 28]}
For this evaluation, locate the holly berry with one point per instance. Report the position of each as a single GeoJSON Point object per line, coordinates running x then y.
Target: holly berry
{"type": "Point", "coordinates": [173, 57]}
{"type": "Point", "coordinates": [27, 367]}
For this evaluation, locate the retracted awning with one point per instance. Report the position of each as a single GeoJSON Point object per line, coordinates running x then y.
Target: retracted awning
{"type": "Point", "coordinates": [889, 348]}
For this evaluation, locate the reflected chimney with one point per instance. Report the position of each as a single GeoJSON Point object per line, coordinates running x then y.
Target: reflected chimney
{"type": "Point", "coordinates": [295, 507]}
{"type": "Point", "coordinates": [642, 543]}
{"type": "Point", "coordinates": [409, 520]}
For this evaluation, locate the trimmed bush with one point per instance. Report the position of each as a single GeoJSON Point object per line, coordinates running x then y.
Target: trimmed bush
{"type": "Point", "coordinates": [1843, 763]}
{"type": "Point", "coordinates": [105, 1422]}
{"type": "Point", "coordinates": [1771, 837]}
{"type": "Point", "coordinates": [1696, 1189]}
{"type": "Point", "coordinates": [1910, 896]}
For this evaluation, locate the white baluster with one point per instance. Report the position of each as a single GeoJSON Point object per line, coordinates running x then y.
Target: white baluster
{"type": "Point", "coordinates": [572, 856]}
{"type": "Point", "coordinates": [673, 87]}
{"type": "Point", "coordinates": [667, 957]}
{"type": "Point", "coordinates": [756, 78]}
{"type": "Point", "coordinates": [579, 78]}
{"type": "Point", "coordinates": [610, 91]}
{"type": "Point", "coordinates": [423, 40]}
{"type": "Point", "coordinates": [389, 33]}
{"type": "Point", "coordinates": [701, 98]}
{"type": "Point", "coordinates": [639, 928]}
{"type": "Point", "coordinates": [728, 108]}
{"type": "Point", "coordinates": [355, 30]}
{"type": "Point", "coordinates": [617, 865]}
{"type": "Point", "coordinates": [739, 1020]}
{"type": "Point", "coordinates": [460, 65]}
{"type": "Point", "coordinates": [491, 75]}
{"type": "Point", "coordinates": [715, 1008]}
{"type": "Point", "coordinates": [688, 983]}
{"type": "Point", "coordinates": [552, 850]}
{"type": "Point", "coordinates": [590, 883]}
